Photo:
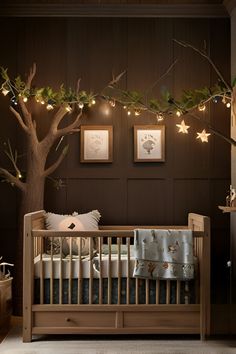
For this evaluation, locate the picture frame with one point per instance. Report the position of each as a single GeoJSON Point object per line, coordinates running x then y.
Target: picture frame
{"type": "Point", "coordinates": [96, 144]}
{"type": "Point", "coordinates": [149, 143]}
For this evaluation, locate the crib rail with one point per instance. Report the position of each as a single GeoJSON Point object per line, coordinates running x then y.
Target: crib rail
{"type": "Point", "coordinates": [106, 280]}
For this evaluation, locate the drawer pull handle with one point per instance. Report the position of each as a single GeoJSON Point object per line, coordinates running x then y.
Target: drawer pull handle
{"type": "Point", "coordinates": [67, 319]}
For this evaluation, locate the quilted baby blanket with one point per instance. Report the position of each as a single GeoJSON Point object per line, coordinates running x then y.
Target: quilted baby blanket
{"type": "Point", "coordinates": [163, 254]}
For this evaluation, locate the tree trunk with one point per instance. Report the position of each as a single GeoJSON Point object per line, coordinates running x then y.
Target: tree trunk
{"type": "Point", "coordinates": [32, 200]}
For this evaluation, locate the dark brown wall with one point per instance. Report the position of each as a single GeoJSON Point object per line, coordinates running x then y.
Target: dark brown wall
{"type": "Point", "coordinates": [194, 177]}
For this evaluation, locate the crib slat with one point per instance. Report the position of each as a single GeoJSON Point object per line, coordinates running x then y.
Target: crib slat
{"type": "Point", "coordinates": [109, 271]}
{"type": "Point", "coordinates": [128, 271]}
{"type": "Point", "coordinates": [147, 291]}
{"type": "Point", "coordinates": [80, 275]}
{"type": "Point", "coordinates": [178, 291]}
{"type": "Point", "coordinates": [136, 291]}
{"type": "Point", "coordinates": [119, 271]}
{"type": "Point", "coordinates": [167, 291]}
{"type": "Point", "coordinates": [100, 242]}
{"type": "Point", "coordinates": [60, 279]}
{"type": "Point", "coordinates": [70, 271]}
{"type": "Point", "coordinates": [90, 272]}
{"type": "Point", "coordinates": [157, 291]}
{"type": "Point", "coordinates": [51, 274]}
{"type": "Point", "coordinates": [41, 278]}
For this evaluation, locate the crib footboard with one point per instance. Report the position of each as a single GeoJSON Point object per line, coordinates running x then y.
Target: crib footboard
{"type": "Point", "coordinates": [96, 293]}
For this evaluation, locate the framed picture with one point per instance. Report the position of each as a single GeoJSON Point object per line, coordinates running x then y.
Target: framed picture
{"type": "Point", "coordinates": [149, 143]}
{"type": "Point", "coordinates": [96, 143]}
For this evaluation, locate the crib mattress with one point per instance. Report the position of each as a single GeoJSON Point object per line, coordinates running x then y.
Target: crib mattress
{"type": "Point", "coordinates": [54, 266]}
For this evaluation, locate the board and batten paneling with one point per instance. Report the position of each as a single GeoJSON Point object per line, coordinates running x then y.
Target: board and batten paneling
{"type": "Point", "coordinates": [194, 177]}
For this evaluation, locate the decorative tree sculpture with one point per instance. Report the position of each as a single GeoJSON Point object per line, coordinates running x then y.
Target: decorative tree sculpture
{"type": "Point", "coordinates": [37, 150]}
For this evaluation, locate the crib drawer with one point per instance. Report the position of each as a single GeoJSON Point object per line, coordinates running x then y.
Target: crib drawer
{"type": "Point", "coordinates": [73, 319]}
{"type": "Point", "coordinates": [187, 321]}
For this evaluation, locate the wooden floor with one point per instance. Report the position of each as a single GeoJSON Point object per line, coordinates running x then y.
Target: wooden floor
{"type": "Point", "coordinates": [15, 321]}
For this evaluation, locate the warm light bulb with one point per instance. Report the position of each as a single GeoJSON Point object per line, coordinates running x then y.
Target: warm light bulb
{"type": "Point", "coordinates": [228, 105]}
{"type": "Point", "coordinates": [178, 113]}
{"type": "Point", "coordinates": [68, 108]}
{"type": "Point", "coordinates": [93, 101]}
{"type": "Point", "coordinates": [202, 107]}
{"type": "Point", "coordinates": [25, 99]}
{"type": "Point", "coordinates": [42, 102]}
{"type": "Point", "coordinates": [81, 105]}
{"type": "Point", "coordinates": [19, 175]}
{"type": "Point", "coordinates": [159, 117]}
{"type": "Point", "coordinates": [137, 112]}
{"type": "Point", "coordinates": [129, 113]}
{"type": "Point", "coordinates": [125, 107]}
{"type": "Point", "coordinates": [112, 103]}
{"type": "Point", "coordinates": [5, 91]}
{"type": "Point", "coordinates": [49, 106]}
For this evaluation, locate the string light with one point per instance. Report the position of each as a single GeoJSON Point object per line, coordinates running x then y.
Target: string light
{"type": "Point", "coordinates": [125, 107]}
{"type": "Point", "coordinates": [129, 113]}
{"type": "Point", "coordinates": [5, 91]}
{"type": "Point", "coordinates": [178, 113]}
{"type": "Point", "coordinates": [183, 128]}
{"type": "Point", "coordinates": [93, 101]}
{"type": "Point", "coordinates": [203, 136]}
{"type": "Point", "coordinates": [215, 99]}
{"type": "Point", "coordinates": [202, 107]}
{"type": "Point", "coordinates": [49, 106]}
{"type": "Point", "coordinates": [137, 112]}
{"type": "Point", "coordinates": [42, 101]}
{"type": "Point", "coordinates": [14, 101]}
{"type": "Point", "coordinates": [25, 99]}
{"type": "Point", "coordinates": [81, 105]}
{"type": "Point", "coordinates": [68, 108]}
{"type": "Point", "coordinates": [112, 103]}
{"type": "Point", "coordinates": [159, 117]}
{"type": "Point", "coordinates": [228, 105]}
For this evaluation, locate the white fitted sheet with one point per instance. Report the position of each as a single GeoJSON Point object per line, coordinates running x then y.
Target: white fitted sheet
{"type": "Point", "coordinates": [65, 264]}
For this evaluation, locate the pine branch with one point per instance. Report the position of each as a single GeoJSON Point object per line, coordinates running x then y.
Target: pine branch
{"type": "Point", "coordinates": [12, 179]}
{"type": "Point", "coordinates": [53, 167]}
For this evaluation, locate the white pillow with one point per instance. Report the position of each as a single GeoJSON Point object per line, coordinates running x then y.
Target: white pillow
{"type": "Point", "coordinates": [76, 222]}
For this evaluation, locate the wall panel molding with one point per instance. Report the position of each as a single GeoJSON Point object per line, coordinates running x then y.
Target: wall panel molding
{"type": "Point", "coordinates": [112, 10]}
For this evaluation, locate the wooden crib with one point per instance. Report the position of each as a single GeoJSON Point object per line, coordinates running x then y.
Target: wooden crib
{"type": "Point", "coordinates": [70, 296]}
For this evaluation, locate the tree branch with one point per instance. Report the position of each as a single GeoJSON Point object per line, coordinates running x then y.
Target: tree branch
{"type": "Point", "coordinates": [204, 55]}
{"type": "Point", "coordinates": [53, 167]}
{"type": "Point", "coordinates": [12, 179]}
{"type": "Point", "coordinates": [70, 128]}
{"type": "Point", "coordinates": [161, 77]}
{"type": "Point", "coordinates": [20, 120]}
{"type": "Point", "coordinates": [60, 114]}
{"type": "Point", "coordinates": [213, 130]}
{"type": "Point", "coordinates": [31, 75]}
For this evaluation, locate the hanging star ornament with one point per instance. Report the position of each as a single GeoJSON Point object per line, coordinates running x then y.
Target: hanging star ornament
{"type": "Point", "coordinates": [183, 128]}
{"type": "Point", "coordinates": [203, 136]}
